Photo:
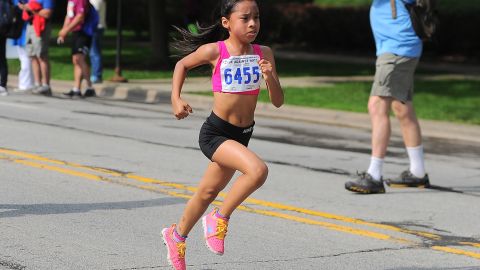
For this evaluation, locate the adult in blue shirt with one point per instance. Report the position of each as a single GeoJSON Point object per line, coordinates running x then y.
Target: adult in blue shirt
{"type": "Point", "coordinates": [398, 51]}
{"type": "Point", "coordinates": [37, 43]}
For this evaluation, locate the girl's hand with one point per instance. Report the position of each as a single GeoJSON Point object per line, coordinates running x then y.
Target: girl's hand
{"type": "Point", "coordinates": [180, 108]}
{"type": "Point", "coordinates": [266, 68]}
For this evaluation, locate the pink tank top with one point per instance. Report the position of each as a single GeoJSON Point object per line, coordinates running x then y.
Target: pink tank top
{"type": "Point", "coordinates": [237, 74]}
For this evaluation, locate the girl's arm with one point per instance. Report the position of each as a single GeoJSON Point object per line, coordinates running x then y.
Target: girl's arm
{"type": "Point", "coordinates": [206, 54]}
{"type": "Point", "coordinates": [269, 71]}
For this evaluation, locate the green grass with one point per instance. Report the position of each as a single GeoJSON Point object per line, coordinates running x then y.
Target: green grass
{"type": "Point", "coordinates": [453, 101]}
{"type": "Point", "coordinates": [136, 60]}
{"type": "Point", "coordinates": [295, 68]}
{"type": "Point", "coordinates": [448, 100]}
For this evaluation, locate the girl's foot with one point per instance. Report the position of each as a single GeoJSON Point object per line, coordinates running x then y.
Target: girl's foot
{"type": "Point", "coordinates": [215, 230]}
{"type": "Point", "coordinates": [175, 247]}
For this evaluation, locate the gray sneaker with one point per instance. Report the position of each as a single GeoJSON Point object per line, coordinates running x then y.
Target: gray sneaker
{"type": "Point", "coordinates": [365, 184]}
{"type": "Point", "coordinates": [407, 179]}
{"type": "Point", "coordinates": [43, 90]}
{"type": "Point", "coordinates": [3, 91]}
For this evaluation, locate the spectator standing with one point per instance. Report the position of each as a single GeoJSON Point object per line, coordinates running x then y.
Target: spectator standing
{"type": "Point", "coordinates": [3, 65]}
{"type": "Point", "coordinates": [82, 20]}
{"type": "Point", "coordinates": [3, 55]}
{"type": "Point", "coordinates": [38, 32]}
{"type": "Point", "coordinates": [25, 76]}
{"type": "Point", "coordinates": [96, 47]}
{"type": "Point", "coordinates": [398, 52]}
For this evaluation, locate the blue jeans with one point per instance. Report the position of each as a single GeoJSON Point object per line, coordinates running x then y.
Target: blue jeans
{"type": "Point", "coordinates": [96, 55]}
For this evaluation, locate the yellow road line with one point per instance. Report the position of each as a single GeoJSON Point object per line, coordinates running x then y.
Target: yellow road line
{"type": "Point", "coordinates": [60, 170]}
{"type": "Point", "coordinates": [243, 208]}
{"type": "Point", "coordinates": [223, 195]}
{"type": "Point", "coordinates": [457, 251]}
{"type": "Point", "coordinates": [278, 206]}
{"type": "Point", "coordinates": [58, 162]}
{"type": "Point", "coordinates": [470, 244]}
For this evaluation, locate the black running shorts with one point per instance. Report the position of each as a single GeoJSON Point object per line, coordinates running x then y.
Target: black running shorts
{"type": "Point", "coordinates": [215, 131]}
{"type": "Point", "coordinates": [81, 43]}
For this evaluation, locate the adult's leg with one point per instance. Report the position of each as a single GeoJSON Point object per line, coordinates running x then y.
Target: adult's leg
{"type": "Point", "coordinates": [214, 180]}
{"type": "Point", "coordinates": [81, 70]}
{"type": "Point", "coordinates": [44, 56]}
{"type": "Point", "coordinates": [25, 76]}
{"type": "Point", "coordinates": [77, 70]}
{"type": "Point", "coordinates": [407, 117]}
{"type": "Point", "coordinates": [45, 69]}
{"type": "Point", "coordinates": [37, 75]}
{"type": "Point", "coordinates": [3, 62]}
{"type": "Point", "coordinates": [412, 135]}
{"type": "Point", "coordinates": [379, 110]}
{"type": "Point", "coordinates": [234, 155]}
{"type": "Point", "coordinates": [96, 55]}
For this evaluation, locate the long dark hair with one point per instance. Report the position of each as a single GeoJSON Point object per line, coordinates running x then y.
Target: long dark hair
{"type": "Point", "coordinates": [190, 42]}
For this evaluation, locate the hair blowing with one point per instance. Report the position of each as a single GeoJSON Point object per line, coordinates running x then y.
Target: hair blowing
{"type": "Point", "coordinates": [190, 42]}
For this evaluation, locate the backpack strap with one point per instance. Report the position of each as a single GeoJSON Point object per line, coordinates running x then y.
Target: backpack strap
{"type": "Point", "coordinates": [394, 9]}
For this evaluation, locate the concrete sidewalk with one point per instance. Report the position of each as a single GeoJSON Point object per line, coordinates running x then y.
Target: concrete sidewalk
{"type": "Point", "coordinates": [158, 91]}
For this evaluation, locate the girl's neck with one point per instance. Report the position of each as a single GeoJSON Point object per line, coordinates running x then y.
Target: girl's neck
{"type": "Point", "coordinates": [235, 47]}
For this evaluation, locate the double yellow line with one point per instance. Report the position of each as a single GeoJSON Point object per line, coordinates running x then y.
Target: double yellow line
{"type": "Point", "coordinates": [251, 205]}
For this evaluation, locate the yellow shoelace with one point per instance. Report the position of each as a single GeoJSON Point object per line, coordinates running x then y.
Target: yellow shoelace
{"type": "Point", "coordinates": [181, 247]}
{"type": "Point", "coordinates": [221, 228]}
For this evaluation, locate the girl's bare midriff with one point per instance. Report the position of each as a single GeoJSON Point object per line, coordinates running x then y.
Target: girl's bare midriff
{"type": "Point", "coordinates": [238, 110]}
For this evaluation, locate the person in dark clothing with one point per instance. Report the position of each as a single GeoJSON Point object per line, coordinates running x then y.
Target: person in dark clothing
{"type": "Point", "coordinates": [3, 66]}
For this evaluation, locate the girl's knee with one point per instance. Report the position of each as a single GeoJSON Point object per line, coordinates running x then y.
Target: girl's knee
{"type": "Point", "coordinates": [259, 173]}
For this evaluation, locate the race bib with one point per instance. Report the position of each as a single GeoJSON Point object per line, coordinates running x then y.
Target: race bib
{"type": "Point", "coordinates": [240, 73]}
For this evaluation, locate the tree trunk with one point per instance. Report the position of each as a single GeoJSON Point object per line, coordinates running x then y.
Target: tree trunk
{"type": "Point", "coordinates": [159, 33]}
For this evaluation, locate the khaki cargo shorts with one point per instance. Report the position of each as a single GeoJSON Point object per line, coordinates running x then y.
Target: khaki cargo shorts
{"type": "Point", "coordinates": [38, 46]}
{"type": "Point", "coordinates": [394, 77]}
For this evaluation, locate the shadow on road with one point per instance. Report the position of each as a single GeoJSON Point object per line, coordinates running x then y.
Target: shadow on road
{"type": "Point", "coordinates": [18, 210]}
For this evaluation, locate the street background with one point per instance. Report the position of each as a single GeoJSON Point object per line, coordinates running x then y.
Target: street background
{"type": "Point", "coordinates": [90, 183]}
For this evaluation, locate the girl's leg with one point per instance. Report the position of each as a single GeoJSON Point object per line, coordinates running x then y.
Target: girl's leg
{"type": "Point", "coordinates": [236, 156]}
{"type": "Point", "coordinates": [215, 179]}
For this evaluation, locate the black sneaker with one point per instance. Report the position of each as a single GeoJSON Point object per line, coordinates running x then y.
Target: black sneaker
{"type": "Point", "coordinates": [90, 92]}
{"type": "Point", "coordinates": [365, 184]}
{"type": "Point", "coordinates": [407, 179]}
{"type": "Point", "coordinates": [73, 94]}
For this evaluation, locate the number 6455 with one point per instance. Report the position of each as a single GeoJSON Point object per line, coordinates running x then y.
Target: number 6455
{"type": "Point", "coordinates": [240, 73]}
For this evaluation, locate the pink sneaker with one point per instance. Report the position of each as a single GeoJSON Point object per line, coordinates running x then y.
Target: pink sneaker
{"type": "Point", "coordinates": [176, 250]}
{"type": "Point", "coordinates": [215, 230]}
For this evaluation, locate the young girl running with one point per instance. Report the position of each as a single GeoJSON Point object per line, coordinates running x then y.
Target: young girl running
{"type": "Point", "coordinates": [237, 69]}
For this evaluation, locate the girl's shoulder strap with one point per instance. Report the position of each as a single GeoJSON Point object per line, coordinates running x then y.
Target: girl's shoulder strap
{"type": "Point", "coordinates": [257, 49]}
{"type": "Point", "coordinates": [223, 49]}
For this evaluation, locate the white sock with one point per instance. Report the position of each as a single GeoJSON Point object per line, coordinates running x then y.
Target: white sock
{"type": "Point", "coordinates": [376, 167]}
{"type": "Point", "coordinates": [75, 89]}
{"type": "Point", "coordinates": [417, 166]}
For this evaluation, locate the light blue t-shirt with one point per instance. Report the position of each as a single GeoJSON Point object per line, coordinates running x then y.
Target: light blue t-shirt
{"type": "Point", "coordinates": [395, 36]}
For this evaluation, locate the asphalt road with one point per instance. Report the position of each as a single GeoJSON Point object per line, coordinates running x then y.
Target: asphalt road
{"type": "Point", "coordinates": [89, 184]}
